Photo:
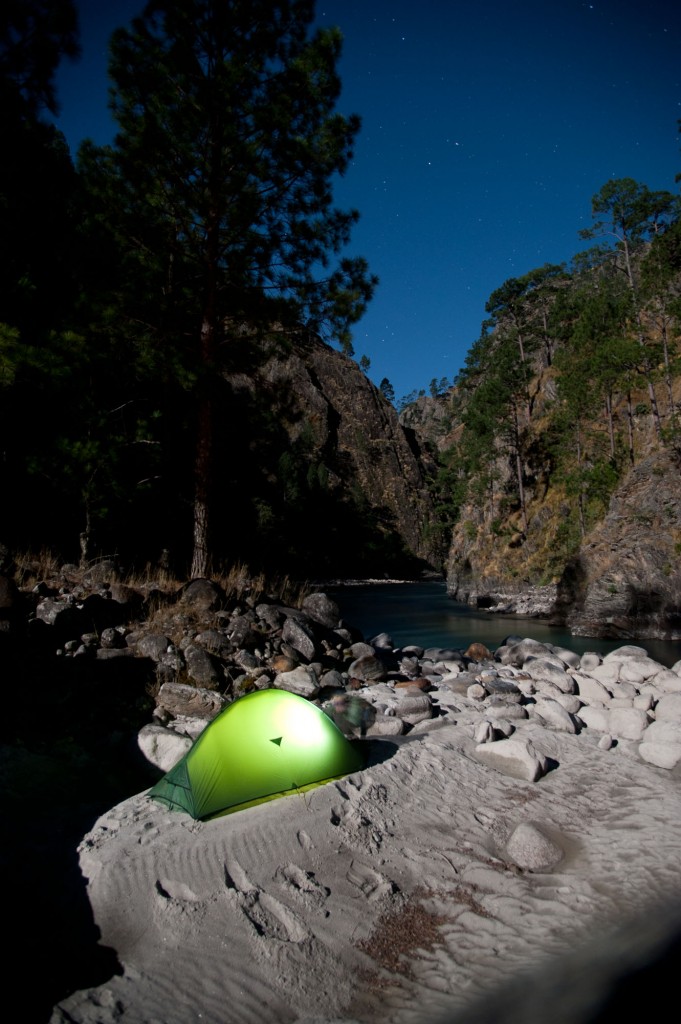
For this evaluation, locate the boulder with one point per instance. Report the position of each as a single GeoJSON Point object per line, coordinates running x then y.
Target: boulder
{"type": "Point", "coordinates": [202, 595]}
{"type": "Point", "coordinates": [513, 757]}
{"type": "Point", "coordinates": [153, 645]}
{"type": "Point", "coordinates": [628, 723]}
{"type": "Point", "coordinates": [300, 637]}
{"type": "Point", "coordinates": [590, 690]}
{"type": "Point", "coordinates": [203, 668]}
{"type": "Point", "coordinates": [531, 848]}
{"type": "Point", "coordinates": [323, 610]}
{"type": "Point", "coordinates": [554, 716]}
{"type": "Point", "coordinates": [162, 747]}
{"type": "Point", "coordinates": [301, 680]}
{"type": "Point", "coordinates": [178, 699]}
{"type": "Point", "coordinates": [368, 669]}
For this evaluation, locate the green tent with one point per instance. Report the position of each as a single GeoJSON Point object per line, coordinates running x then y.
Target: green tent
{"type": "Point", "coordinates": [262, 746]}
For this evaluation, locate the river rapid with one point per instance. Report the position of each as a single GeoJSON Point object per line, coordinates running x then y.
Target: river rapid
{"type": "Point", "coordinates": [423, 614]}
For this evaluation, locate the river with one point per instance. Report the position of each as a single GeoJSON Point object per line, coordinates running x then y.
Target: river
{"type": "Point", "coordinates": [421, 613]}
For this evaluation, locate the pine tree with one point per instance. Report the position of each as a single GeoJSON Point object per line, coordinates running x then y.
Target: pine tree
{"type": "Point", "coordinates": [218, 191]}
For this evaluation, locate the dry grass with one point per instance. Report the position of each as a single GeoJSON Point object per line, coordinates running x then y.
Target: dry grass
{"type": "Point", "coordinates": [237, 581]}
{"type": "Point", "coordinates": [404, 934]}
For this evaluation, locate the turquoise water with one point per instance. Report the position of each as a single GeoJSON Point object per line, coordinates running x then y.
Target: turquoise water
{"type": "Point", "coordinates": [421, 613]}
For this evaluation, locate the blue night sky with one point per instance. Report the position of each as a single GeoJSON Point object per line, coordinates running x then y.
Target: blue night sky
{"type": "Point", "coordinates": [486, 129]}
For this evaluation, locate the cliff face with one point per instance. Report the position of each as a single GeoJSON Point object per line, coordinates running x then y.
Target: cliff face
{"type": "Point", "coordinates": [359, 483]}
{"type": "Point", "coordinates": [626, 579]}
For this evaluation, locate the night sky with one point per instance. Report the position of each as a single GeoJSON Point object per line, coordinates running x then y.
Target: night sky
{"type": "Point", "coordinates": [486, 129]}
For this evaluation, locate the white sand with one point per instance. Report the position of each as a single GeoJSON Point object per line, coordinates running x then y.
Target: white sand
{"type": "Point", "coordinates": [260, 915]}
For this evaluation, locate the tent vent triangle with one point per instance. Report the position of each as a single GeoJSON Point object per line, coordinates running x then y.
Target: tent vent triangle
{"type": "Point", "coordinates": [277, 740]}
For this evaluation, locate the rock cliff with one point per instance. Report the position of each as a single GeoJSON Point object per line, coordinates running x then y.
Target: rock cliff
{"type": "Point", "coordinates": [337, 456]}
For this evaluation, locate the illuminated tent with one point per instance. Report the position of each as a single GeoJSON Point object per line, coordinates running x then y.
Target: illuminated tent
{"type": "Point", "coordinates": [262, 746]}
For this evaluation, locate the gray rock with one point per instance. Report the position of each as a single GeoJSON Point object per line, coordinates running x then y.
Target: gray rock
{"type": "Point", "coordinates": [517, 653]}
{"type": "Point", "coordinates": [414, 707]}
{"type": "Point", "coordinates": [203, 668]}
{"type": "Point", "coordinates": [202, 595]}
{"type": "Point", "coordinates": [383, 642]}
{"type": "Point", "coordinates": [531, 848]}
{"type": "Point", "coordinates": [476, 692]}
{"type": "Point", "coordinates": [367, 668]}
{"type": "Point", "coordinates": [543, 669]}
{"type": "Point", "coordinates": [385, 725]}
{"type": "Point", "coordinates": [323, 610]}
{"type": "Point", "coordinates": [111, 654]}
{"type": "Point", "coordinates": [214, 641]}
{"type": "Point", "coordinates": [153, 645]}
{"type": "Point", "coordinates": [301, 680]}
{"type": "Point", "coordinates": [178, 699]}
{"type": "Point", "coordinates": [300, 637]}
{"type": "Point", "coordinates": [513, 712]}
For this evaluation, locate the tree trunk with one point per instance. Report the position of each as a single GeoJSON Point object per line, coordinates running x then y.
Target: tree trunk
{"type": "Point", "coordinates": [203, 459]}
{"type": "Point", "coordinates": [630, 425]}
{"type": "Point", "coordinates": [202, 478]}
{"type": "Point", "coordinates": [611, 429]}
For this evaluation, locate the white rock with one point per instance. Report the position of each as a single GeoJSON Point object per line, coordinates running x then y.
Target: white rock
{"type": "Point", "coordinates": [605, 742]}
{"type": "Point", "coordinates": [637, 670]}
{"type": "Point", "coordinates": [623, 690]}
{"type": "Point", "coordinates": [591, 690]}
{"type": "Point", "coordinates": [626, 651]}
{"type": "Point", "coordinates": [643, 701]}
{"type": "Point", "coordinates": [589, 661]}
{"type": "Point", "coordinates": [513, 757]}
{"type": "Point", "coordinates": [607, 673]}
{"type": "Point", "coordinates": [484, 733]}
{"type": "Point", "coordinates": [677, 668]}
{"type": "Point", "coordinates": [162, 747]}
{"type": "Point", "coordinates": [476, 692]}
{"type": "Point", "coordinates": [662, 755]}
{"type": "Point", "coordinates": [594, 718]}
{"type": "Point", "coordinates": [530, 848]}
{"type": "Point", "coordinates": [569, 702]}
{"type": "Point", "coordinates": [667, 681]}
{"type": "Point", "coordinates": [663, 732]}
{"type": "Point", "coordinates": [569, 658]}
{"type": "Point", "coordinates": [668, 708]}
{"type": "Point", "coordinates": [547, 688]}
{"type": "Point", "coordinates": [628, 723]}
{"type": "Point", "coordinates": [554, 716]}
{"type": "Point", "coordinates": [543, 669]}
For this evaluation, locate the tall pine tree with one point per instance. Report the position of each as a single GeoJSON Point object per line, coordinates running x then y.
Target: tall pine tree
{"type": "Point", "coordinates": [218, 190]}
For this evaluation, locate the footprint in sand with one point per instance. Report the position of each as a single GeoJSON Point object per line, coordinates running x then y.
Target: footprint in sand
{"type": "Point", "coordinates": [303, 884]}
{"type": "Point", "coordinates": [372, 884]}
{"type": "Point", "coordinates": [269, 917]}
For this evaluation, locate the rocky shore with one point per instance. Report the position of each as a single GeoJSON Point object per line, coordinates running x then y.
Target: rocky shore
{"type": "Point", "coordinates": [515, 804]}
